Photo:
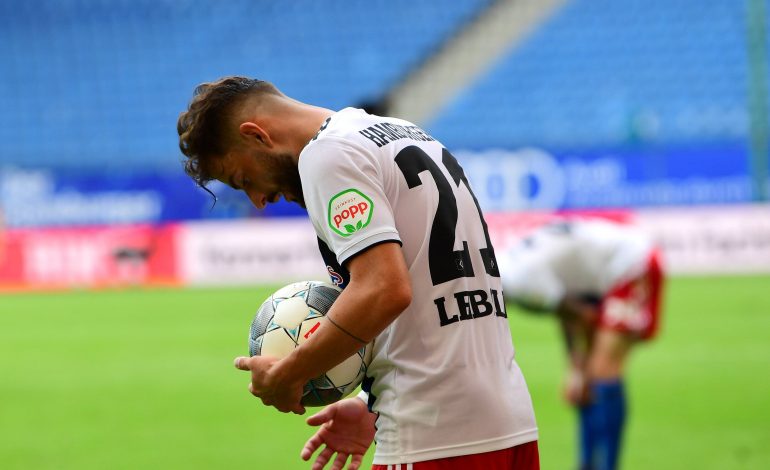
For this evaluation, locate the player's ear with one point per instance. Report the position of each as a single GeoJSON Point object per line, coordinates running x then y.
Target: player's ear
{"type": "Point", "coordinates": [253, 131]}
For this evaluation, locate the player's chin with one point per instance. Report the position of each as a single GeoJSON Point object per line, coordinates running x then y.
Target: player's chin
{"type": "Point", "coordinates": [290, 198]}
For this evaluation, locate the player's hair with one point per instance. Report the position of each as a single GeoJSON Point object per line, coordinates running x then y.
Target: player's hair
{"type": "Point", "coordinates": [202, 127]}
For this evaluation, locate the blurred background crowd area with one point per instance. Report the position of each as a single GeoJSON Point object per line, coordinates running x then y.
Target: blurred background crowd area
{"type": "Point", "coordinates": [656, 110]}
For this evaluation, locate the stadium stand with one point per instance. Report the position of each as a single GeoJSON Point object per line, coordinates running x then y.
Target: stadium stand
{"type": "Point", "coordinates": [98, 83]}
{"type": "Point", "coordinates": [95, 83]}
{"type": "Point", "coordinates": [608, 73]}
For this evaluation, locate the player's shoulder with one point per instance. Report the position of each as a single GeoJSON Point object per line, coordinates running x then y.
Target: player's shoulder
{"type": "Point", "coordinates": [352, 137]}
{"type": "Point", "coordinates": [335, 139]}
{"type": "Point", "coordinates": [356, 127]}
{"type": "Point", "coordinates": [343, 127]}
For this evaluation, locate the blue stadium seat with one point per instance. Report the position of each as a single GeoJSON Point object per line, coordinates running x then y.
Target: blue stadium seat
{"type": "Point", "coordinates": [608, 73]}
{"type": "Point", "coordinates": [100, 83]}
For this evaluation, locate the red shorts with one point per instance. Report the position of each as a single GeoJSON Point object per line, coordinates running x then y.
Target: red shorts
{"type": "Point", "coordinates": [634, 306]}
{"type": "Point", "coordinates": [521, 457]}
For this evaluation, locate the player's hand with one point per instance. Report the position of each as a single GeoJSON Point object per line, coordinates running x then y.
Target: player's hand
{"type": "Point", "coordinates": [272, 389]}
{"type": "Point", "coordinates": [576, 388]}
{"type": "Point", "coordinates": [347, 430]}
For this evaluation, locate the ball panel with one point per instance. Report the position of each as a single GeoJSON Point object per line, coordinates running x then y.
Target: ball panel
{"type": "Point", "coordinates": [255, 346]}
{"type": "Point", "coordinates": [366, 354]}
{"type": "Point", "coordinates": [259, 326]}
{"type": "Point", "coordinates": [290, 312]}
{"type": "Point", "coordinates": [262, 319]}
{"type": "Point", "coordinates": [321, 297]}
{"type": "Point", "coordinates": [347, 371]}
{"type": "Point", "coordinates": [308, 327]}
{"type": "Point", "coordinates": [321, 396]}
{"type": "Point", "coordinates": [277, 343]}
{"type": "Point", "coordinates": [293, 290]}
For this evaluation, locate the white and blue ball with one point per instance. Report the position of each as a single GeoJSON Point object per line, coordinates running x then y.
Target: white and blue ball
{"type": "Point", "coordinates": [288, 318]}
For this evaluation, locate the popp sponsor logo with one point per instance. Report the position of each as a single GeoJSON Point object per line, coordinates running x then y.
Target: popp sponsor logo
{"type": "Point", "coordinates": [349, 212]}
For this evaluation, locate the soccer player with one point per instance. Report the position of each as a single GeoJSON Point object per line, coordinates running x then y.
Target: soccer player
{"type": "Point", "coordinates": [402, 233]}
{"type": "Point", "coordinates": [603, 281]}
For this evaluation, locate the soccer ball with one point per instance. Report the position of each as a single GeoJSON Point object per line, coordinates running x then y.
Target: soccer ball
{"type": "Point", "coordinates": [287, 319]}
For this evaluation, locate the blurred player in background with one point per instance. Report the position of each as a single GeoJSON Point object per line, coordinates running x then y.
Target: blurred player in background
{"type": "Point", "coordinates": [402, 234]}
{"type": "Point", "coordinates": [603, 281]}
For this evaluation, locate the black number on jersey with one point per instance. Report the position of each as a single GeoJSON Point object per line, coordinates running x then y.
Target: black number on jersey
{"type": "Point", "coordinates": [446, 263]}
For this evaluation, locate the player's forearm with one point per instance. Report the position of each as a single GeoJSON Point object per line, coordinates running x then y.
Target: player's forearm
{"type": "Point", "coordinates": [327, 348]}
{"type": "Point", "coordinates": [359, 314]}
{"type": "Point", "coordinates": [574, 344]}
{"type": "Point", "coordinates": [379, 290]}
{"type": "Point", "coordinates": [576, 330]}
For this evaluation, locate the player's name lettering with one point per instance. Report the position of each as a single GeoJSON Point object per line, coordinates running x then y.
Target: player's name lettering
{"type": "Point", "coordinates": [470, 305]}
{"type": "Point", "coordinates": [384, 133]}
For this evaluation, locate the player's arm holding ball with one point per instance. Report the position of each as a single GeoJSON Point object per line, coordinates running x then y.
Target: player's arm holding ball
{"type": "Point", "coordinates": [379, 286]}
{"type": "Point", "coordinates": [378, 292]}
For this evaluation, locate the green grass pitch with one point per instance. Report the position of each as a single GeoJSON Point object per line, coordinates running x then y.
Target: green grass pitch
{"type": "Point", "coordinates": [144, 379]}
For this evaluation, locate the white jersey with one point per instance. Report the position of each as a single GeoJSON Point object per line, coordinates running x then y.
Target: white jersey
{"type": "Point", "coordinates": [443, 379]}
{"type": "Point", "coordinates": [585, 258]}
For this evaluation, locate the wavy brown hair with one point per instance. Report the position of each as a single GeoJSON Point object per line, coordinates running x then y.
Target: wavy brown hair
{"type": "Point", "coordinates": [203, 127]}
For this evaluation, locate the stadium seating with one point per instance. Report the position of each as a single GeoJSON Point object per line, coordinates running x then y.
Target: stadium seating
{"type": "Point", "coordinates": [608, 73]}
{"type": "Point", "coordinates": [99, 83]}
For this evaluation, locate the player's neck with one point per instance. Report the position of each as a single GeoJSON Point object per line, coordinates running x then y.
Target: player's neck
{"type": "Point", "coordinates": [309, 120]}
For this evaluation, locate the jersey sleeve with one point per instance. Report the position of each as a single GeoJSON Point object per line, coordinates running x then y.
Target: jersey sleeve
{"type": "Point", "coordinates": [343, 188]}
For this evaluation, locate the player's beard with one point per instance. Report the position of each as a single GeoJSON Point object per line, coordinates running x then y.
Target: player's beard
{"type": "Point", "coordinates": [287, 178]}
